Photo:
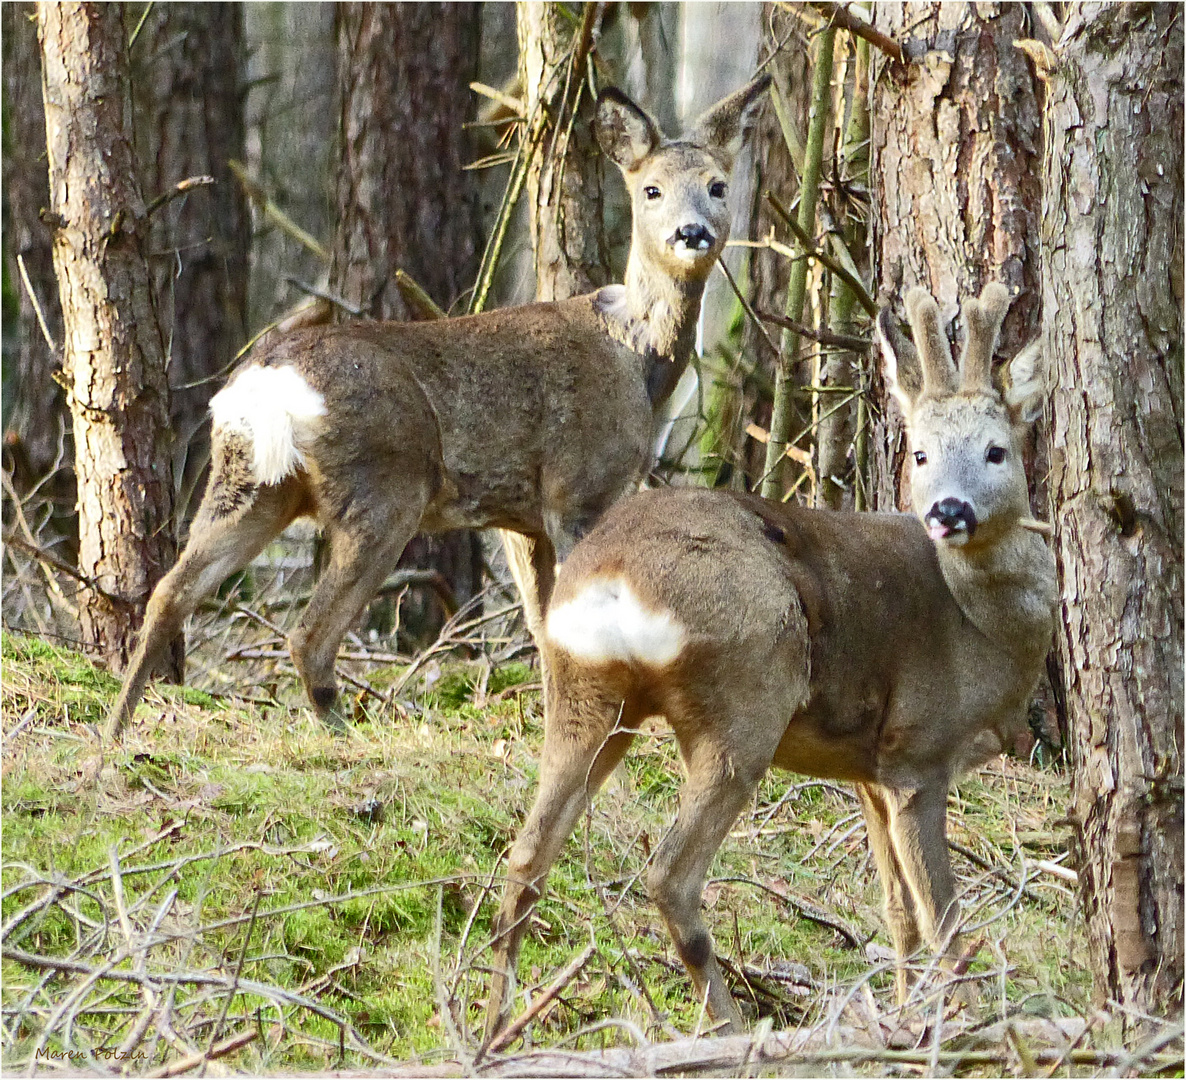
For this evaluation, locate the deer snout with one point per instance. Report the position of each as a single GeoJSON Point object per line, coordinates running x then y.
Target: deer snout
{"type": "Point", "coordinates": [950, 517]}
{"type": "Point", "coordinates": [693, 237]}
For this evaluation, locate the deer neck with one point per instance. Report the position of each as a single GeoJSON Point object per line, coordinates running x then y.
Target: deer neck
{"type": "Point", "coordinates": [655, 315]}
{"type": "Point", "coordinates": [1007, 590]}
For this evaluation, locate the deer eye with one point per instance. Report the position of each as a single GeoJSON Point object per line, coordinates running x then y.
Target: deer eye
{"type": "Point", "coordinates": [717, 189]}
{"type": "Point", "coordinates": [920, 457]}
{"type": "Point", "coordinates": [996, 454]}
{"type": "Point", "coordinates": [651, 192]}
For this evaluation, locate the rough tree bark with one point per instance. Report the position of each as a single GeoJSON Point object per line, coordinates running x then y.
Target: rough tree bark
{"type": "Point", "coordinates": [956, 142]}
{"type": "Point", "coordinates": [34, 405]}
{"type": "Point", "coordinates": [114, 355]}
{"type": "Point", "coordinates": [1112, 291]}
{"type": "Point", "coordinates": [189, 79]}
{"type": "Point", "coordinates": [566, 183]}
{"type": "Point", "coordinates": [404, 200]}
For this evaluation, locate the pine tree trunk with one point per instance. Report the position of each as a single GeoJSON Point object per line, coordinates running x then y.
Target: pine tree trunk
{"type": "Point", "coordinates": [35, 413]}
{"type": "Point", "coordinates": [1112, 300]}
{"type": "Point", "coordinates": [956, 139]}
{"type": "Point", "coordinates": [114, 356]}
{"type": "Point", "coordinates": [405, 202]}
{"type": "Point", "coordinates": [190, 98]}
{"type": "Point", "coordinates": [567, 179]}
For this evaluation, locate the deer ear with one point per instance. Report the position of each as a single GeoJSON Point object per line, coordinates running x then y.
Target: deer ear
{"type": "Point", "coordinates": [623, 130]}
{"type": "Point", "coordinates": [899, 362]}
{"type": "Point", "coordinates": [1027, 384]}
{"type": "Point", "coordinates": [721, 128]}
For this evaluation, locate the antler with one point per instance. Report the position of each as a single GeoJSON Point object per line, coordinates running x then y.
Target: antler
{"type": "Point", "coordinates": [983, 320]}
{"type": "Point", "coordinates": [938, 369]}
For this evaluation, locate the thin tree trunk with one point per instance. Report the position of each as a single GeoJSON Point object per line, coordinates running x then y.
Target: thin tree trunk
{"type": "Point", "coordinates": [1112, 291]}
{"type": "Point", "coordinates": [813, 155]}
{"type": "Point", "coordinates": [35, 412]}
{"type": "Point", "coordinates": [777, 171]}
{"type": "Point", "coordinates": [567, 179]}
{"type": "Point", "coordinates": [405, 201]}
{"type": "Point", "coordinates": [840, 484]}
{"type": "Point", "coordinates": [292, 127]}
{"type": "Point", "coordinates": [189, 64]}
{"type": "Point", "coordinates": [955, 164]}
{"type": "Point", "coordinates": [114, 355]}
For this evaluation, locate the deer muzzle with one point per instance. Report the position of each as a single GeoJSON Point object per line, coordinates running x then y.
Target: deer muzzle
{"type": "Point", "coordinates": [950, 518]}
{"type": "Point", "coordinates": [691, 238]}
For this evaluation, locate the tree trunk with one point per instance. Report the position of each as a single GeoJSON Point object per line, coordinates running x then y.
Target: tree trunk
{"type": "Point", "coordinates": [956, 139]}
{"type": "Point", "coordinates": [1112, 299]}
{"type": "Point", "coordinates": [404, 200]}
{"type": "Point", "coordinates": [292, 127]}
{"type": "Point", "coordinates": [35, 413]}
{"type": "Point", "coordinates": [114, 356]}
{"type": "Point", "coordinates": [566, 182]}
{"type": "Point", "coordinates": [190, 99]}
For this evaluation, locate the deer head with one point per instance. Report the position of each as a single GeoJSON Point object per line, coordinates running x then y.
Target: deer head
{"type": "Point", "coordinates": [968, 482]}
{"type": "Point", "coordinates": [678, 187]}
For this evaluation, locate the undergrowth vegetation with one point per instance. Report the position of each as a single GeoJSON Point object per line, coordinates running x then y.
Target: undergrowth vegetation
{"type": "Point", "coordinates": [231, 871]}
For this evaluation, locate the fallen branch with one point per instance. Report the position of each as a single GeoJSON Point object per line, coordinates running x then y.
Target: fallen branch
{"type": "Point", "coordinates": [186, 1064]}
{"type": "Point", "coordinates": [808, 911]}
{"type": "Point", "coordinates": [516, 1026]}
{"type": "Point", "coordinates": [736, 1055]}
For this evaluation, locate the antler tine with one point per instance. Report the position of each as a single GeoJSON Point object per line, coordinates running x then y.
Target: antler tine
{"type": "Point", "coordinates": [938, 369]}
{"type": "Point", "coordinates": [982, 320]}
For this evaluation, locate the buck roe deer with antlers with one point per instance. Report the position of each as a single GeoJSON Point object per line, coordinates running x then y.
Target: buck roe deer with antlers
{"type": "Point", "coordinates": [876, 648]}
{"type": "Point", "coordinates": [533, 419]}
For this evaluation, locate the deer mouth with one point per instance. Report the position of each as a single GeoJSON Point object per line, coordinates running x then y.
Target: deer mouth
{"type": "Point", "coordinates": [952, 520]}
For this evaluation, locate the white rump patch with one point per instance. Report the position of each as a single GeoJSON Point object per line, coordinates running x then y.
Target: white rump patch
{"type": "Point", "coordinates": [606, 622]}
{"type": "Point", "coordinates": [277, 410]}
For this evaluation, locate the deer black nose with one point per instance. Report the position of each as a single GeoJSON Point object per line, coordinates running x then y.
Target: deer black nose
{"type": "Point", "coordinates": [950, 516]}
{"type": "Point", "coordinates": [696, 237]}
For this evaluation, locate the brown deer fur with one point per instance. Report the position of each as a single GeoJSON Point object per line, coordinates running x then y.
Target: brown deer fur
{"type": "Point", "coordinates": [841, 645]}
{"type": "Point", "coordinates": [532, 419]}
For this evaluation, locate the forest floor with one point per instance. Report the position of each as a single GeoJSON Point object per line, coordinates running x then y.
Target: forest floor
{"type": "Point", "coordinates": [232, 889]}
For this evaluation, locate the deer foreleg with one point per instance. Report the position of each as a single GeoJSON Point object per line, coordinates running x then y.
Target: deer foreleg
{"type": "Point", "coordinates": [532, 562]}
{"type": "Point", "coordinates": [918, 829]}
{"type": "Point", "coordinates": [900, 912]}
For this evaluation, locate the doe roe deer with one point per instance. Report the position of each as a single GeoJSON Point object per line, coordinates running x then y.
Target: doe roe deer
{"type": "Point", "coordinates": [531, 419]}
{"type": "Point", "coordinates": [875, 648]}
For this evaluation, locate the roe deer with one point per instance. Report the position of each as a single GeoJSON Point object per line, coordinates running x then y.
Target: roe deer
{"type": "Point", "coordinates": [533, 419]}
{"type": "Point", "coordinates": [856, 646]}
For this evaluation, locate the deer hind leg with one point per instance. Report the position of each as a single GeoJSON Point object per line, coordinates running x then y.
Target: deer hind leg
{"type": "Point", "coordinates": [583, 743]}
{"type": "Point", "coordinates": [712, 797]}
{"type": "Point", "coordinates": [365, 543]}
{"type": "Point", "coordinates": [231, 528]}
{"type": "Point", "coordinates": [900, 913]}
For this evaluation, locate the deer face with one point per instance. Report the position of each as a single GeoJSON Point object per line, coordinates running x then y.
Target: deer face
{"type": "Point", "coordinates": [679, 199]}
{"type": "Point", "coordinates": [968, 481]}
{"type": "Point", "coordinates": [679, 190]}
